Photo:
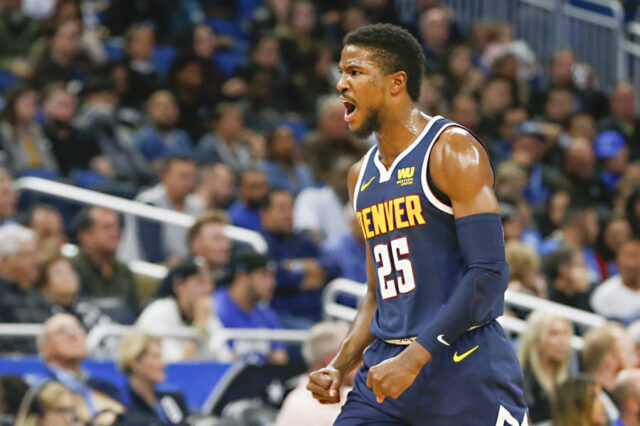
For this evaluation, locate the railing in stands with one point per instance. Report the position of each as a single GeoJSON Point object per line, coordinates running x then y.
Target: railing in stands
{"type": "Point", "coordinates": [340, 286]}
{"type": "Point", "coordinates": [593, 29]}
{"type": "Point", "coordinates": [631, 49]}
{"type": "Point", "coordinates": [122, 205]}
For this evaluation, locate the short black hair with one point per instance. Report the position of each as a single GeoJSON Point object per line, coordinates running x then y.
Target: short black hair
{"type": "Point", "coordinates": [395, 49]}
{"type": "Point", "coordinates": [552, 262]}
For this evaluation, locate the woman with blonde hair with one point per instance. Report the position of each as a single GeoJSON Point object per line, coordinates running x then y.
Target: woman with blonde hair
{"type": "Point", "coordinates": [578, 404]}
{"type": "Point", "coordinates": [544, 355]}
{"type": "Point", "coordinates": [140, 358]}
{"type": "Point", "coordinates": [50, 404]}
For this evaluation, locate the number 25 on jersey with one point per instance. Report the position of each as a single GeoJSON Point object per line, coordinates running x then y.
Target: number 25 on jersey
{"type": "Point", "coordinates": [389, 258]}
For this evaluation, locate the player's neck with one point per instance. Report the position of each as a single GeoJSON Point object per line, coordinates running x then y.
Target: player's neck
{"type": "Point", "coordinates": [399, 128]}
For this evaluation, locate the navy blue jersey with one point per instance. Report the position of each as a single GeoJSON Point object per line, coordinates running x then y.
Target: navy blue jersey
{"type": "Point", "coordinates": [412, 237]}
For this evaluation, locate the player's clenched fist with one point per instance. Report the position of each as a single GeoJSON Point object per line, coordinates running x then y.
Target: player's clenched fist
{"type": "Point", "coordinates": [390, 378]}
{"type": "Point", "coordinates": [324, 385]}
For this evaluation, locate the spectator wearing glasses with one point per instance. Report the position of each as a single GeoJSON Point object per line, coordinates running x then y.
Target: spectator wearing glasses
{"type": "Point", "coordinates": [63, 346]}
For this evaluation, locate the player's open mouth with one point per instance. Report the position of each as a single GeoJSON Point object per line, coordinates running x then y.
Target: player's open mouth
{"type": "Point", "coordinates": [349, 109]}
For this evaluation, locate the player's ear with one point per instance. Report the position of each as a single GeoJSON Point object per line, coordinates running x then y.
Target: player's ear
{"type": "Point", "coordinates": [398, 82]}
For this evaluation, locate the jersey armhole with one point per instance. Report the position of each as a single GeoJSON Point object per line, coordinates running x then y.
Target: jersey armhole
{"type": "Point", "coordinates": [363, 169]}
{"type": "Point", "coordinates": [436, 196]}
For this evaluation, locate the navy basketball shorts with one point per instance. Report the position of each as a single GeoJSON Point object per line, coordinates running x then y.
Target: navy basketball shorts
{"type": "Point", "coordinates": [477, 381]}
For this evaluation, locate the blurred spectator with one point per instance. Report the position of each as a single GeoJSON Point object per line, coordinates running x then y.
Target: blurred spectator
{"type": "Point", "coordinates": [203, 47]}
{"type": "Point", "coordinates": [12, 392]}
{"type": "Point", "coordinates": [579, 228]}
{"type": "Point", "coordinates": [582, 125]}
{"type": "Point", "coordinates": [619, 296]}
{"type": "Point", "coordinates": [46, 221]}
{"type": "Point", "coordinates": [318, 211]}
{"type": "Point", "coordinates": [626, 396]}
{"type": "Point", "coordinates": [568, 277]}
{"type": "Point", "coordinates": [122, 15]}
{"type": "Point", "coordinates": [544, 354]}
{"type": "Point", "coordinates": [217, 186]}
{"type": "Point", "coordinates": [283, 166]}
{"type": "Point", "coordinates": [245, 212]}
{"type": "Point", "coordinates": [63, 346]}
{"type": "Point", "coordinates": [63, 60]}
{"type": "Point", "coordinates": [585, 186]}
{"type": "Point", "coordinates": [560, 105]}
{"type": "Point", "coordinates": [495, 99]}
{"type": "Point", "coordinates": [348, 250]}
{"type": "Point", "coordinates": [330, 140]}
{"type": "Point", "coordinates": [101, 274]}
{"type": "Point", "coordinates": [623, 116]}
{"type": "Point", "coordinates": [19, 301]}
{"type": "Point", "coordinates": [300, 276]}
{"type": "Point", "coordinates": [245, 304]}
{"type": "Point", "coordinates": [142, 76]}
{"type": "Point", "coordinates": [501, 147]}
{"type": "Point", "coordinates": [17, 34]}
{"type": "Point", "coordinates": [461, 77]}
{"type": "Point", "coordinates": [614, 232]}
{"type": "Point", "coordinates": [186, 81]}
{"type": "Point", "coordinates": [510, 180]}
{"type": "Point", "coordinates": [140, 358]}
{"type": "Point", "coordinates": [577, 402]}
{"type": "Point", "coordinates": [60, 285]}
{"type": "Point", "coordinates": [607, 350]}
{"type": "Point", "coordinates": [8, 198]}
{"type": "Point", "coordinates": [431, 100]}
{"type": "Point", "coordinates": [464, 111]}
{"type": "Point", "coordinates": [73, 150]}
{"type": "Point", "coordinates": [188, 305]}
{"type": "Point", "coordinates": [207, 240]}
{"type": "Point", "coordinates": [555, 212]}
{"type": "Point", "coordinates": [318, 350]}
{"type": "Point", "coordinates": [524, 269]}
{"type": "Point", "coordinates": [161, 139]}
{"type": "Point", "coordinates": [434, 34]}
{"type": "Point", "coordinates": [225, 144]}
{"type": "Point", "coordinates": [264, 59]}
{"type": "Point", "coordinates": [613, 156]}
{"type": "Point", "coordinates": [159, 242]}
{"type": "Point", "coordinates": [24, 146]}
{"type": "Point", "coordinates": [49, 404]}
{"type": "Point", "coordinates": [315, 81]}
{"type": "Point", "coordinates": [99, 117]}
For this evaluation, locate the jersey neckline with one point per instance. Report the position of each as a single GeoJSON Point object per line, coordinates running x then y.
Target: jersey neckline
{"type": "Point", "coordinates": [385, 174]}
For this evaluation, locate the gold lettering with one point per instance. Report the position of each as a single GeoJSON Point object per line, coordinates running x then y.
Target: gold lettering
{"type": "Point", "coordinates": [359, 216]}
{"type": "Point", "coordinates": [400, 223]}
{"type": "Point", "coordinates": [414, 210]}
{"type": "Point", "coordinates": [367, 222]}
{"type": "Point", "coordinates": [388, 211]}
{"type": "Point", "coordinates": [377, 215]}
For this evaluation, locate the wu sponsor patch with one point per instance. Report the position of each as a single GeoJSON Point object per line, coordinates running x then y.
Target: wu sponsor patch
{"type": "Point", "coordinates": [405, 176]}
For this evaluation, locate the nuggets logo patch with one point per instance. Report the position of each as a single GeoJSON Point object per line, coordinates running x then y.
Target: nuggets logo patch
{"type": "Point", "coordinates": [405, 176]}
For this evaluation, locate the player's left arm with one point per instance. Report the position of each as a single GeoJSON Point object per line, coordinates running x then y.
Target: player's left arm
{"type": "Point", "coordinates": [460, 167]}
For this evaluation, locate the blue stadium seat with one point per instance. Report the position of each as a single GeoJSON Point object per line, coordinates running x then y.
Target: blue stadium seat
{"type": "Point", "coordinates": [229, 61]}
{"type": "Point", "coordinates": [162, 58]}
{"type": "Point", "coordinates": [229, 28]}
{"type": "Point", "coordinates": [7, 79]}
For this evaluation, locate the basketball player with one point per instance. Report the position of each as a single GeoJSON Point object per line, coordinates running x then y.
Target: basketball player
{"type": "Point", "coordinates": [435, 354]}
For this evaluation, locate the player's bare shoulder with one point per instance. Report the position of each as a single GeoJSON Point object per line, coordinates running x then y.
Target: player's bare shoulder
{"type": "Point", "coordinates": [458, 157]}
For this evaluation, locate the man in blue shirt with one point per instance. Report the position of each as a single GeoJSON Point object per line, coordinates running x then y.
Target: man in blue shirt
{"type": "Point", "coordinates": [245, 211]}
{"type": "Point", "coordinates": [626, 396]}
{"type": "Point", "coordinates": [245, 304]}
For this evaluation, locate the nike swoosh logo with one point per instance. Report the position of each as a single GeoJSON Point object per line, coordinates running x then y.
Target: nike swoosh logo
{"type": "Point", "coordinates": [441, 340]}
{"type": "Point", "coordinates": [458, 358]}
{"type": "Point", "coordinates": [363, 187]}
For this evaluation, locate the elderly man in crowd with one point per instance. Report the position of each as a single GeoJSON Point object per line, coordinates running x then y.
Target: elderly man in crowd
{"type": "Point", "coordinates": [63, 346]}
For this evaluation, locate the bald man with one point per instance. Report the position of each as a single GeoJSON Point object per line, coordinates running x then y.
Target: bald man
{"type": "Point", "coordinates": [626, 396]}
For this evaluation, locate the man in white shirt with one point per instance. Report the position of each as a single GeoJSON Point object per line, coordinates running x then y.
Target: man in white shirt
{"type": "Point", "coordinates": [299, 408]}
{"type": "Point", "coordinates": [619, 296]}
{"type": "Point", "coordinates": [189, 305]}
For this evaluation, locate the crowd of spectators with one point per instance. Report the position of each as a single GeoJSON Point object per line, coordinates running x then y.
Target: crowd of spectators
{"type": "Point", "coordinates": [227, 111]}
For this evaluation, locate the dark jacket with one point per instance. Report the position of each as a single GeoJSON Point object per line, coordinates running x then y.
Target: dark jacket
{"type": "Point", "coordinates": [170, 408]}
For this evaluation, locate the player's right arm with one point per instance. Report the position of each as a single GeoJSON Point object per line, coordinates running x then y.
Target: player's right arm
{"type": "Point", "coordinates": [325, 383]}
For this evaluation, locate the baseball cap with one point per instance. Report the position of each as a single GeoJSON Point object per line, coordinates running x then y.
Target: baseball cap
{"type": "Point", "coordinates": [530, 128]}
{"type": "Point", "coordinates": [608, 143]}
{"type": "Point", "coordinates": [249, 260]}
{"type": "Point", "coordinates": [185, 269]}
